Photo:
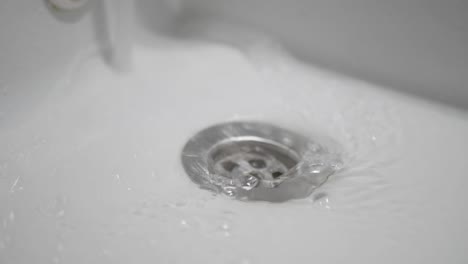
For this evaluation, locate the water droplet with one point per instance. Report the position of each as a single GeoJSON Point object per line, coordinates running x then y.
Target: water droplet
{"type": "Point", "coordinates": [13, 187]}
{"type": "Point", "coordinates": [287, 141]}
{"type": "Point", "coordinates": [325, 203]}
{"type": "Point", "coordinates": [184, 223]}
{"type": "Point", "coordinates": [317, 168]}
{"type": "Point", "coordinates": [225, 226]}
{"type": "Point", "coordinates": [117, 178]}
{"type": "Point", "coordinates": [225, 229]}
{"type": "Point", "coordinates": [249, 182]}
{"type": "Point", "coordinates": [322, 200]}
{"type": "Point", "coordinates": [230, 191]}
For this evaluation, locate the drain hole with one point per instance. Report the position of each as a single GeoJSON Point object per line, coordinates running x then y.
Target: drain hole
{"type": "Point", "coordinates": [229, 165]}
{"type": "Point", "coordinates": [257, 163]}
{"type": "Point", "coordinates": [276, 174]}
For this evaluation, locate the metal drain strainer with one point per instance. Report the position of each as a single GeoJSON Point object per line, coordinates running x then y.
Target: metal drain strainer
{"type": "Point", "coordinates": [257, 161]}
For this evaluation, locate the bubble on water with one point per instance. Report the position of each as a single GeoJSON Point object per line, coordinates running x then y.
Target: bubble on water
{"type": "Point", "coordinates": [225, 229]}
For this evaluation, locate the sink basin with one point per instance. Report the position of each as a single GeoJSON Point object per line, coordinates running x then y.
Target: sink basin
{"type": "Point", "coordinates": [90, 168]}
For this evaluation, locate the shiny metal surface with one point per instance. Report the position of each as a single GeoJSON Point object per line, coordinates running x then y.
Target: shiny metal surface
{"type": "Point", "coordinates": [255, 160]}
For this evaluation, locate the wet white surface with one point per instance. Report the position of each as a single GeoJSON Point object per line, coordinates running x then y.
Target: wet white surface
{"type": "Point", "coordinates": [91, 173]}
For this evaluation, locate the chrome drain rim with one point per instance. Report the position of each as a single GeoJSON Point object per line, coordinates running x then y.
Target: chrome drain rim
{"type": "Point", "coordinates": [256, 161]}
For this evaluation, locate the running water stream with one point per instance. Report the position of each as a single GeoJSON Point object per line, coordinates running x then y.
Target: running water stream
{"type": "Point", "coordinates": [117, 16]}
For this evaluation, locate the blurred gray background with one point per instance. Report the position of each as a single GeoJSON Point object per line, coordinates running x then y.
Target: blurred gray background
{"type": "Point", "coordinates": [415, 46]}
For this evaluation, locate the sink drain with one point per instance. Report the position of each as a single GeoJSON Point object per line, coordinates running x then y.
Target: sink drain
{"type": "Point", "coordinates": [257, 161]}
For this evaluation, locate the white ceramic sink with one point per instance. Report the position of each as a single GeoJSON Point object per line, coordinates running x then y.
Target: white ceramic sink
{"type": "Point", "coordinates": [90, 166]}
